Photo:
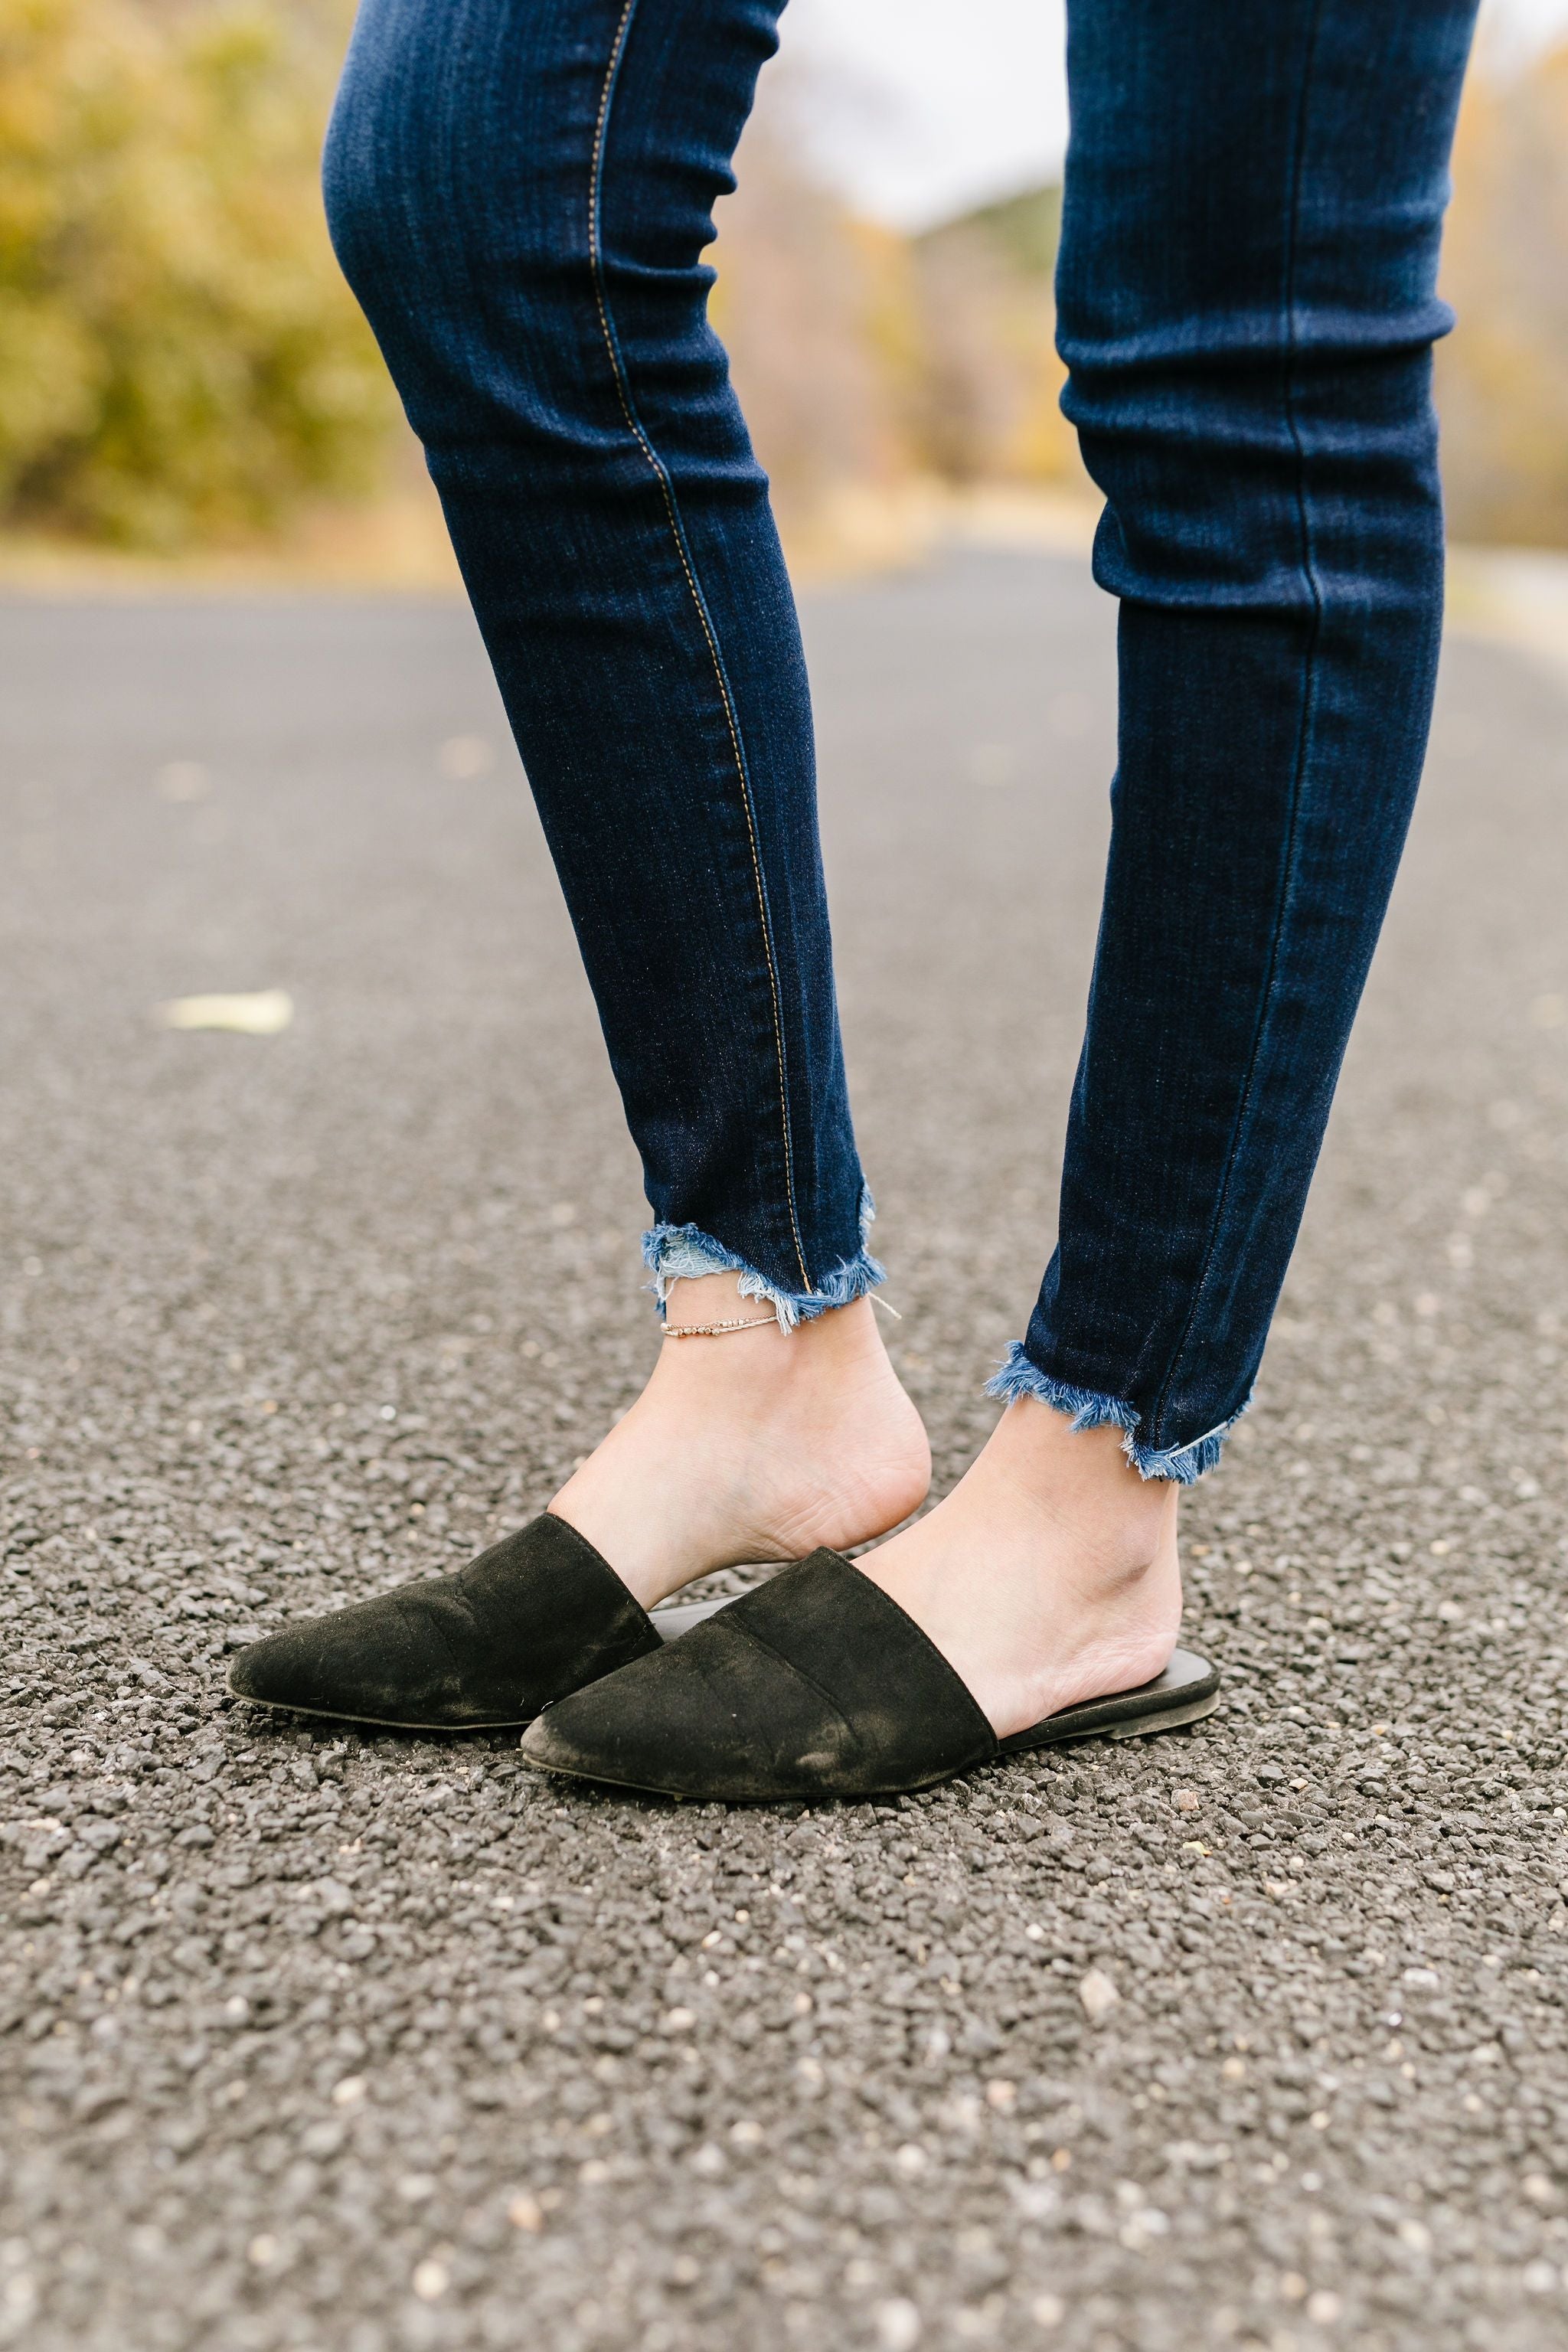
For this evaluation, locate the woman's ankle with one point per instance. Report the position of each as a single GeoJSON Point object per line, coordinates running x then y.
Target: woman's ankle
{"type": "Point", "coordinates": [1082, 1478]}
{"type": "Point", "coordinates": [751, 1445]}
{"type": "Point", "coordinates": [1050, 1574]}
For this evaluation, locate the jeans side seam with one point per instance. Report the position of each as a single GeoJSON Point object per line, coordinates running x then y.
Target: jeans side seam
{"type": "Point", "coordinates": [661, 474]}
{"type": "Point", "coordinates": [1303, 738]}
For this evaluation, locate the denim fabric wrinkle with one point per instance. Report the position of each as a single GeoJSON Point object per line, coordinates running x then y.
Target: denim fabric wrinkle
{"type": "Point", "coordinates": [1290, 333]}
{"type": "Point", "coordinates": [1246, 303]}
{"type": "Point", "coordinates": [661, 473]}
{"type": "Point", "coordinates": [647, 661]}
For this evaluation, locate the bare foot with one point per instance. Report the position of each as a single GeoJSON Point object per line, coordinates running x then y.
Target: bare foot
{"type": "Point", "coordinates": [1049, 1575]}
{"type": "Point", "coordinates": [759, 1446]}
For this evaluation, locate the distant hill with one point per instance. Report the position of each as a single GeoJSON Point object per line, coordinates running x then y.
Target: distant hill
{"type": "Point", "coordinates": [1022, 230]}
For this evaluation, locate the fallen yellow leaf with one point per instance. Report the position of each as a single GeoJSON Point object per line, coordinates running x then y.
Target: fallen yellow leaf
{"type": "Point", "coordinates": [260, 1014]}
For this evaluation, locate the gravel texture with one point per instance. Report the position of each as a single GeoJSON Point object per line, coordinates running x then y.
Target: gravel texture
{"type": "Point", "coordinates": [1253, 2036]}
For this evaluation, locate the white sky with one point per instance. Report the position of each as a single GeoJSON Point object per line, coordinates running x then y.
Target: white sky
{"type": "Point", "coordinates": [917, 108]}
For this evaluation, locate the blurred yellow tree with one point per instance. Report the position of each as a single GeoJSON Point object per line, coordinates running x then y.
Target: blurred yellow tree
{"type": "Point", "coordinates": [990, 379]}
{"type": "Point", "coordinates": [1502, 377]}
{"type": "Point", "coordinates": [868, 362]}
{"type": "Point", "coordinates": [179, 357]}
{"type": "Point", "coordinates": [815, 309]}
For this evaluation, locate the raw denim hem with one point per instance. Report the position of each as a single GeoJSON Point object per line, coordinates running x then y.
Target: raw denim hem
{"type": "Point", "coordinates": [1021, 1376]}
{"type": "Point", "coordinates": [680, 1253]}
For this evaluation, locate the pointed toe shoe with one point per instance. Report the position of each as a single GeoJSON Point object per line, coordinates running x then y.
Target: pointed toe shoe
{"type": "Point", "coordinates": [535, 1617]}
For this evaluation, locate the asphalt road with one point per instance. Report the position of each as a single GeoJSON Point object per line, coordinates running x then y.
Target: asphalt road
{"type": "Point", "coordinates": [1250, 2037]}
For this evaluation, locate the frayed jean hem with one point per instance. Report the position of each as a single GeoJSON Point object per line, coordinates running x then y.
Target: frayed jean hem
{"type": "Point", "coordinates": [1020, 1376]}
{"type": "Point", "coordinates": [681, 1253]}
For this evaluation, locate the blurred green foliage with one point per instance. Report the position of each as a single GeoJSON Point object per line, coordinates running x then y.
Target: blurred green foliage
{"type": "Point", "coordinates": [179, 357]}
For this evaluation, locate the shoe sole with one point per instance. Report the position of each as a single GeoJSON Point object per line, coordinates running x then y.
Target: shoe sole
{"type": "Point", "coordinates": [1171, 1720]}
{"type": "Point", "coordinates": [379, 1722]}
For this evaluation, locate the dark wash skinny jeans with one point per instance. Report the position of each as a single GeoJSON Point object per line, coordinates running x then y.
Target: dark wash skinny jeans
{"type": "Point", "coordinates": [521, 190]}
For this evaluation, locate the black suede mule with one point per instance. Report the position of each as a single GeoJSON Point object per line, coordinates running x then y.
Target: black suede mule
{"type": "Point", "coordinates": [531, 1618]}
{"type": "Point", "coordinates": [816, 1685]}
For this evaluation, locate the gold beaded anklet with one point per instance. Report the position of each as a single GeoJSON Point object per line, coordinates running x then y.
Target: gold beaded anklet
{"type": "Point", "coordinates": [717, 1330]}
